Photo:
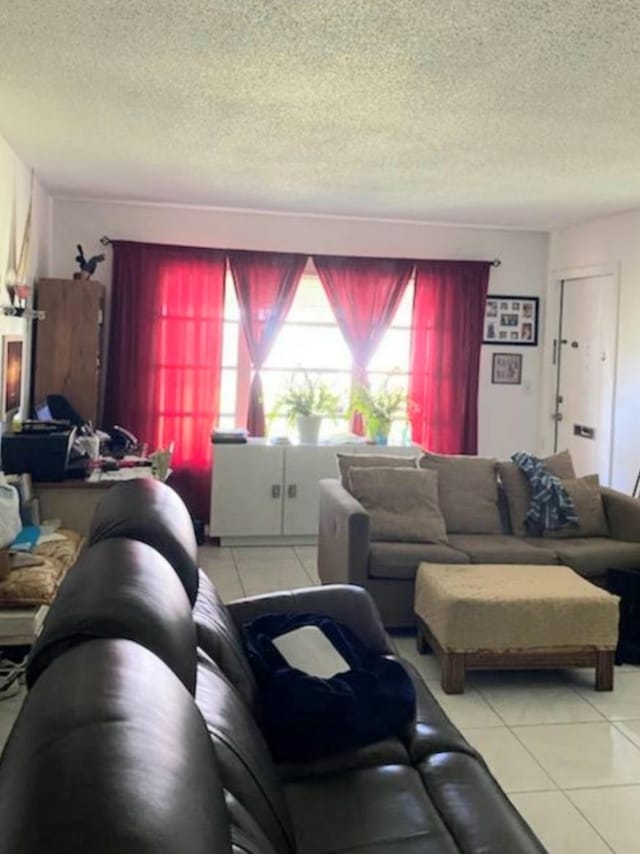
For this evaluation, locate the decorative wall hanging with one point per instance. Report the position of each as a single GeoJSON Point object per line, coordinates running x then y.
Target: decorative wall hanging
{"type": "Point", "coordinates": [506, 369]}
{"type": "Point", "coordinates": [16, 280]}
{"type": "Point", "coordinates": [12, 353]}
{"type": "Point", "coordinates": [511, 320]}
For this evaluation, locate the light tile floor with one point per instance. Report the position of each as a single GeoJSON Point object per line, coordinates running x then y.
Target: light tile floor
{"type": "Point", "coordinates": [567, 756]}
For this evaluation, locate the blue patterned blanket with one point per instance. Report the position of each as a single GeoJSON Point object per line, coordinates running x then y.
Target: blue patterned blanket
{"type": "Point", "coordinates": [551, 505]}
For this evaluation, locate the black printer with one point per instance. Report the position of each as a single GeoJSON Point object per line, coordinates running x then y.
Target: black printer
{"type": "Point", "coordinates": [43, 453]}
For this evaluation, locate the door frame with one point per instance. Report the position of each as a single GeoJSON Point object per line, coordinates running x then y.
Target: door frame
{"type": "Point", "coordinates": [552, 320]}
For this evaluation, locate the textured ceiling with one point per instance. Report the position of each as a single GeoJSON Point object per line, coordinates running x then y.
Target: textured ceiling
{"type": "Point", "coordinates": [522, 113]}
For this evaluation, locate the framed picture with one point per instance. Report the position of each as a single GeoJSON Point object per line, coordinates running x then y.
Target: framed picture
{"type": "Point", "coordinates": [511, 318]}
{"type": "Point", "coordinates": [12, 351]}
{"type": "Point", "coordinates": [506, 369]}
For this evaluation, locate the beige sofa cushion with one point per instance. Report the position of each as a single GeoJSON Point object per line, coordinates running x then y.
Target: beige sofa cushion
{"type": "Point", "coordinates": [400, 561]}
{"type": "Point", "coordinates": [506, 607]}
{"type": "Point", "coordinates": [591, 556]}
{"type": "Point", "coordinates": [468, 492]}
{"type": "Point", "coordinates": [516, 487]}
{"type": "Point", "coordinates": [585, 494]}
{"type": "Point", "coordinates": [346, 461]}
{"type": "Point", "coordinates": [498, 548]}
{"type": "Point", "coordinates": [402, 503]}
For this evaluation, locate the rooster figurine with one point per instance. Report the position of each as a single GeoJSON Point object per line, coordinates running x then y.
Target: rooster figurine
{"type": "Point", "coordinates": [87, 267]}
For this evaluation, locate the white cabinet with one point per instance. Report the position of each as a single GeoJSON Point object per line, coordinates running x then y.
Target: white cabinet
{"type": "Point", "coordinates": [246, 491]}
{"type": "Point", "coordinates": [265, 494]}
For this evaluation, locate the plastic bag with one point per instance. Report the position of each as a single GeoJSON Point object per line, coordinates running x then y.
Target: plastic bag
{"type": "Point", "coordinates": [10, 523]}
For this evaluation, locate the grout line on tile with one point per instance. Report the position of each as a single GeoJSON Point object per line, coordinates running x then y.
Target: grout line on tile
{"type": "Point", "coordinates": [535, 759]}
{"type": "Point", "coordinates": [587, 819]}
{"type": "Point", "coordinates": [238, 573]}
{"type": "Point", "coordinates": [602, 786]}
{"type": "Point", "coordinates": [592, 826]}
{"type": "Point", "coordinates": [566, 723]}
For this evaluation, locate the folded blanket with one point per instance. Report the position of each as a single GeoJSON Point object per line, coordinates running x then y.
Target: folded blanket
{"type": "Point", "coordinates": [302, 716]}
{"type": "Point", "coordinates": [551, 506]}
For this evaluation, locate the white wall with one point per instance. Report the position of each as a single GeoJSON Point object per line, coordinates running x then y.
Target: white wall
{"type": "Point", "coordinates": [15, 180]}
{"type": "Point", "coordinates": [508, 414]}
{"type": "Point", "coordinates": [613, 241]}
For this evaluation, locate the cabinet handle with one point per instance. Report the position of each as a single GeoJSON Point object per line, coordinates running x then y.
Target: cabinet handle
{"type": "Point", "coordinates": [292, 490]}
{"type": "Point", "coordinates": [275, 490]}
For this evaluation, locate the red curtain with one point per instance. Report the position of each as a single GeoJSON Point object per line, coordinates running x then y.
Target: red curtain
{"type": "Point", "coordinates": [364, 294]}
{"type": "Point", "coordinates": [265, 284]}
{"type": "Point", "coordinates": [165, 355]}
{"type": "Point", "coordinates": [448, 315]}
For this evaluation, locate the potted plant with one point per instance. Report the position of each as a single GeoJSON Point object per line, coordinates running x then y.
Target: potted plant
{"type": "Point", "coordinates": [306, 401]}
{"type": "Point", "coordinates": [378, 408]}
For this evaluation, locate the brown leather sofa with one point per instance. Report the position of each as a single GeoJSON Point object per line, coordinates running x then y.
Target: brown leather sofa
{"type": "Point", "coordinates": [139, 733]}
{"type": "Point", "coordinates": [348, 555]}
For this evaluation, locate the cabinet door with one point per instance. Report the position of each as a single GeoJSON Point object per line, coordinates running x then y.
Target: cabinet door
{"type": "Point", "coordinates": [246, 491]}
{"type": "Point", "coordinates": [304, 468]}
{"type": "Point", "coordinates": [67, 352]}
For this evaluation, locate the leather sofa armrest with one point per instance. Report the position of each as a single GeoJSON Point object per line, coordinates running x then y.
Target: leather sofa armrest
{"type": "Point", "coordinates": [623, 515]}
{"type": "Point", "coordinates": [343, 538]}
{"type": "Point", "coordinates": [431, 731]}
{"type": "Point", "coordinates": [352, 606]}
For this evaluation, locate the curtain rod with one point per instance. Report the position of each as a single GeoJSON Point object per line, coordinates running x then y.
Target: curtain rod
{"type": "Point", "coordinates": [107, 241]}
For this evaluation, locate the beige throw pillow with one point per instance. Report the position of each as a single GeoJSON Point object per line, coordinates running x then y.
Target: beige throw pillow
{"type": "Point", "coordinates": [585, 494]}
{"type": "Point", "coordinates": [516, 487]}
{"type": "Point", "coordinates": [467, 491]}
{"type": "Point", "coordinates": [402, 503]}
{"type": "Point", "coordinates": [346, 461]}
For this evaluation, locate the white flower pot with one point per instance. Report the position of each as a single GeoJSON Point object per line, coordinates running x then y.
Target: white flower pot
{"type": "Point", "coordinates": [308, 428]}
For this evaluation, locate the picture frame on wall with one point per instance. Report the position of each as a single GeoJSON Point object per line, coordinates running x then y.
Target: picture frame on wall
{"type": "Point", "coordinates": [511, 318]}
{"type": "Point", "coordinates": [12, 366]}
{"type": "Point", "coordinates": [506, 369]}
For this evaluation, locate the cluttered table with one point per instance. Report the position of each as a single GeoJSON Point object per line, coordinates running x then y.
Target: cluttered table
{"type": "Point", "coordinates": [74, 501]}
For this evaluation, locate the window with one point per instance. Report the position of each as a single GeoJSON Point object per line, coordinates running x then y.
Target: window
{"type": "Point", "coordinates": [309, 340]}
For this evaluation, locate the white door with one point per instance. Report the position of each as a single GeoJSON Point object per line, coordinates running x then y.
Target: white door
{"type": "Point", "coordinates": [246, 491]}
{"type": "Point", "coordinates": [304, 468]}
{"type": "Point", "coordinates": [585, 361]}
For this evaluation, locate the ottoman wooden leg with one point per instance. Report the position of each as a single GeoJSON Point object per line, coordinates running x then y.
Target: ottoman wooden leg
{"type": "Point", "coordinates": [453, 673]}
{"type": "Point", "coordinates": [421, 641]}
{"type": "Point", "coordinates": [604, 669]}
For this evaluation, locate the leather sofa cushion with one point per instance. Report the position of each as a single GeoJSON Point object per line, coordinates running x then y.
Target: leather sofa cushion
{"type": "Point", "coordinates": [591, 556]}
{"type": "Point", "coordinates": [402, 503]}
{"type": "Point", "coordinates": [585, 494]}
{"type": "Point", "coordinates": [517, 489]}
{"type": "Point", "coordinates": [109, 754]}
{"type": "Point", "coordinates": [431, 732]}
{"type": "Point", "coordinates": [153, 513]}
{"type": "Point", "coordinates": [401, 560]}
{"type": "Point", "coordinates": [246, 768]}
{"type": "Point", "coordinates": [378, 810]}
{"type": "Point", "coordinates": [120, 588]}
{"type": "Point", "coordinates": [219, 637]}
{"type": "Point", "coordinates": [474, 808]}
{"type": "Point", "coordinates": [498, 548]}
{"type": "Point", "coordinates": [389, 751]}
{"type": "Point", "coordinates": [468, 491]}
{"type": "Point", "coordinates": [247, 836]}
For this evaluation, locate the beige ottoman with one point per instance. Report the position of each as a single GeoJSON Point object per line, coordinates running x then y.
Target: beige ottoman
{"type": "Point", "coordinates": [510, 616]}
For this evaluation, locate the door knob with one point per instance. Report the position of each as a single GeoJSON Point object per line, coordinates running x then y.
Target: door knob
{"type": "Point", "coordinates": [292, 490]}
{"type": "Point", "coordinates": [276, 491]}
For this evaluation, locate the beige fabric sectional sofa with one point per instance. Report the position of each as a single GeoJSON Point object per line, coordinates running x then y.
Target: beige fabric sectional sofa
{"type": "Point", "coordinates": [484, 503]}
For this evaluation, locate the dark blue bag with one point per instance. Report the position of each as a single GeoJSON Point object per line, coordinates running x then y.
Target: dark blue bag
{"type": "Point", "coordinates": [304, 717]}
